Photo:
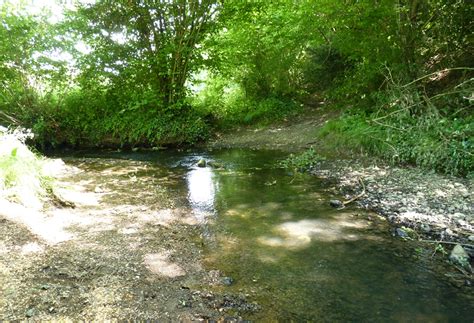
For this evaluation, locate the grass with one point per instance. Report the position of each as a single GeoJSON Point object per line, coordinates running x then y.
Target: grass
{"type": "Point", "coordinates": [431, 139]}
{"type": "Point", "coordinates": [22, 179]}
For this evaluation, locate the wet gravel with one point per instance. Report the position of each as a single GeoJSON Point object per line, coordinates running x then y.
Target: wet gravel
{"type": "Point", "coordinates": [436, 206]}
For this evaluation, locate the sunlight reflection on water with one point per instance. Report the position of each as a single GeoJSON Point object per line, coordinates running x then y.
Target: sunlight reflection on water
{"type": "Point", "coordinates": [202, 190]}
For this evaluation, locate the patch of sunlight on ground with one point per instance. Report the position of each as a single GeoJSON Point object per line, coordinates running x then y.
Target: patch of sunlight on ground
{"type": "Point", "coordinates": [31, 248]}
{"type": "Point", "coordinates": [159, 264]}
{"type": "Point", "coordinates": [228, 243]}
{"type": "Point", "coordinates": [36, 222]}
{"type": "Point", "coordinates": [78, 196]}
{"type": "Point", "coordinates": [165, 217]}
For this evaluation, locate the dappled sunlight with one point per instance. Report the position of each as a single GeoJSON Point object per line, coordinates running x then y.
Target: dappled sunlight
{"type": "Point", "coordinates": [121, 171]}
{"type": "Point", "coordinates": [159, 264]}
{"type": "Point", "coordinates": [269, 206]}
{"type": "Point", "coordinates": [289, 242]}
{"type": "Point", "coordinates": [228, 243]}
{"type": "Point", "coordinates": [47, 229]}
{"type": "Point", "coordinates": [164, 217]}
{"type": "Point", "coordinates": [244, 214]}
{"type": "Point", "coordinates": [299, 234]}
{"type": "Point", "coordinates": [78, 196]}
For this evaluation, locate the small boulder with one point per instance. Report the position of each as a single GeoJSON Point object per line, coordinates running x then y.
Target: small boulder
{"type": "Point", "coordinates": [201, 163]}
{"type": "Point", "coordinates": [459, 256]}
{"type": "Point", "coordinates": [336, 203]}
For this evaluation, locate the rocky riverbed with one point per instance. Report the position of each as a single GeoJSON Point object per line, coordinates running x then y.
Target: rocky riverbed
{"type": "Point", "coordinates": [438, 207]}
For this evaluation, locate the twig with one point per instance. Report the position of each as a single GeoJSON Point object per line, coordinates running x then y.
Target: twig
{"type": "Point", "coordinates": [357, 196]}
{"type": "Point", "coordinates": [434, 73]}
{"type": "Point", "coordinates": [465, 273]}
{"type": "Point", "coordinates": [449, 242]}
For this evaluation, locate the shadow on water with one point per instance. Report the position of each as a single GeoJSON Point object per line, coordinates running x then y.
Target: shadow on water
{"type": "Point", "coordinates": [275, 235]}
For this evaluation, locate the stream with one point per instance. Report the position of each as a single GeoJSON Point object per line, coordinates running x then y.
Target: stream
{"type": "Point", "coordinates": [273, 238]}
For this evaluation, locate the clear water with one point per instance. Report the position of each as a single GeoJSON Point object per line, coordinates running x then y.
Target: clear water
{"type": "Point", "coordinates": [301, 260]}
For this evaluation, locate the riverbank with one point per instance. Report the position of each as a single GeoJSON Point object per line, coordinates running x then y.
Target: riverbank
{"type": "Point", "coordinates": [152, 235]}
{"type": "Point", "coordinates": [120, 248]}
{"type": "Point", "coordinates": [438, 207]}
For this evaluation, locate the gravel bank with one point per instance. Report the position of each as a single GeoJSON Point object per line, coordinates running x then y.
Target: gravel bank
{"type": "Point", "coordinates": [439, 207]}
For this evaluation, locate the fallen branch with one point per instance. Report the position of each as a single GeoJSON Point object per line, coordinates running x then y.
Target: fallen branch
{"type": "Point", "coordinates": [462, 271]}
{"type": "Point", "coordinates": [344, 203]}
{"type": "Point", "coordinates": [448, 242]}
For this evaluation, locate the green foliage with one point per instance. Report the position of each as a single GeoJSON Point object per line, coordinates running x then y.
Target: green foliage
{"type": "Point", "coordinates": [439, 248]}
{"type": "Point", "coordinates": [226, 104]}
{"type": "Point", "coordinates": [21, 175]}
{"type": "Point", "coordinates": [405, 127]}
{"type": "Point", "coordinates": [263, 59]}
{"type": "Point", "coordinates": [303, 161]}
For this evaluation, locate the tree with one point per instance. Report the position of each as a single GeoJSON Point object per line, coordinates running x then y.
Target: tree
{"type": "Point", "coordinates": [28, 68]}
{"type": "Point", "coordinates": [145, 46]}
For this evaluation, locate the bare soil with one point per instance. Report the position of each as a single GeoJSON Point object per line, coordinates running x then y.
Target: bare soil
{"type": "Point", "coordinates": [124, 251]}
{"type": "Point", "coordinates": [292, 134]}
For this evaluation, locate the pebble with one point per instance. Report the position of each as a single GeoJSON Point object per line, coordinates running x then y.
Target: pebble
{"type": "Point", "coordinates": [433, 203]}
{"type": "Point", "coordinates": [425, 228]}
{"type": "Point", "coordinates": [459, 256]}
{"type": "Point", "coordinates": [336, 203]}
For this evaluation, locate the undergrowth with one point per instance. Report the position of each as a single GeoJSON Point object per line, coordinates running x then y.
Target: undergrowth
{"type": "Point", "coordinates": [407, 127]}
{"type": "Point", "coordinates": [21, 171]}
{"type": "Point", "coordinates": [303, 161]}
{"type": "Point", "coordinates": [227, 104]}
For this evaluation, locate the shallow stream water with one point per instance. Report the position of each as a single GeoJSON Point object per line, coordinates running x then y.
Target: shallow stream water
{"type": "Point", "coordinates": [274, 234]}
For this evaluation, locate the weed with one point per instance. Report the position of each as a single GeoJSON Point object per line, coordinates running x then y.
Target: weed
{"type": "Point", "coordinates": [303, 161]}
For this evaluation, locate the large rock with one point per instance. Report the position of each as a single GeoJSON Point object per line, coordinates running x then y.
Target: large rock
{"type": "Point", "coordinates": [459, 256]}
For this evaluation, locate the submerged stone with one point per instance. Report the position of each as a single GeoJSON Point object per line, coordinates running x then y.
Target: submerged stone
{"type": "Point", "coordinates": [216, 165]}
{"type": "Point", "coordinates": [227, 281]}
{"type": "Point", "coordinates": [425, 228]}
{"type": "Point", "coordinates": [201, 163]}
{"type": "Point", "coordinates": [401, 233]}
